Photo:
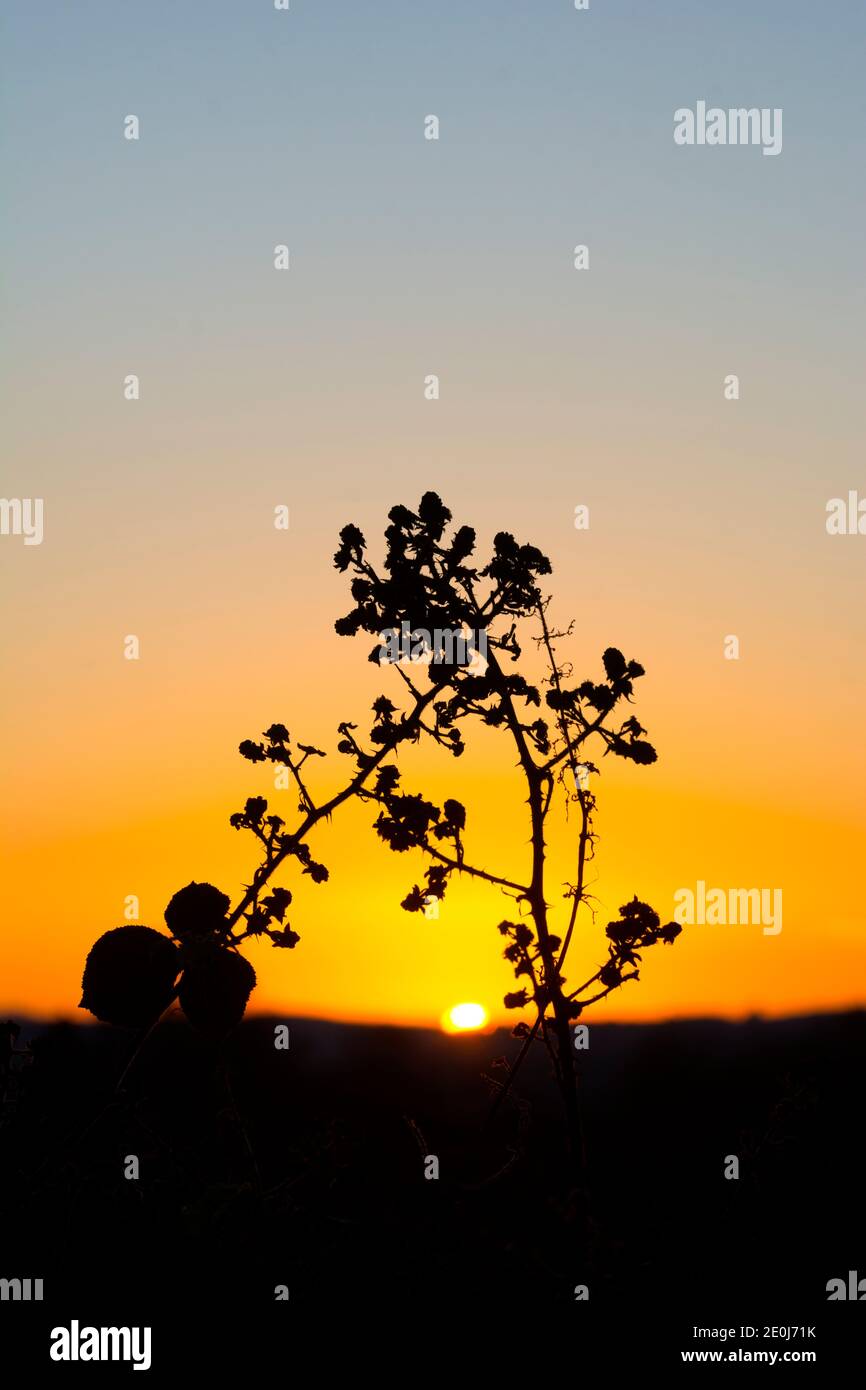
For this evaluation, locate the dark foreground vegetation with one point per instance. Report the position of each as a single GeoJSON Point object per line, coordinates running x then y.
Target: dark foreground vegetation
{"type": "Point", "coordinates": [305, 1168]}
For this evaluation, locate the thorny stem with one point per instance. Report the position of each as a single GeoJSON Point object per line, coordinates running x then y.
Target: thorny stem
{"type": "Point", "coordinates": [569, 1080]}
{"type": "Point", "coordinates": [459, 865]}
{"type": "Point", "coordinates": [563, 1059]}
{"type": "Point", "coordinates": [504, 1090]}
{"type": "Point", "coordinates": [295, 769]}
{"type": "Point", "coordinates": [315, 814]}
{"type": "Point", "coordinates": [570, 746]}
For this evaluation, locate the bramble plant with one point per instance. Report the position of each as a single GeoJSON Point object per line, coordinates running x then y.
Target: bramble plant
{"type": "Point", "coordinates": [427, 584]}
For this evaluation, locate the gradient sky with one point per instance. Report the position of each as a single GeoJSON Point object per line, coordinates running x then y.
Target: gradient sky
{"type": "Point", "coordinates": [305, 388]}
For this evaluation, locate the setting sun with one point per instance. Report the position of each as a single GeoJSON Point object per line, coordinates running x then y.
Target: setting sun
{"type": "Point", "coordinates": [463, 1018]}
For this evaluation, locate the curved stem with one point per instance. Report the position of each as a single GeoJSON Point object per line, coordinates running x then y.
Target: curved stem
{"type": "Point", "coordinates": [290, 842]}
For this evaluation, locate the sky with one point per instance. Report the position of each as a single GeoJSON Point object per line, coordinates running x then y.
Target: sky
{"type": "Point", "coordinates": [559, 387]}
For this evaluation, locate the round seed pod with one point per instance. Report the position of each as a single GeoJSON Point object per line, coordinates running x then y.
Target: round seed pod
{"type": "Point", "coordinates": [196, 912]}
{"type": "Point", "coordinates": [214, 989]}
{"type": "Point", "coordinates": [129, 976]}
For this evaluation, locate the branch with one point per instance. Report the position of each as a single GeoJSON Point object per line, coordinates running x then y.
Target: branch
{"type": "Point", "coordinates": [290, 843]}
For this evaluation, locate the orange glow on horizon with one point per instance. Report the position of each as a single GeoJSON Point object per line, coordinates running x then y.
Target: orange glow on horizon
{"type": "Point", "coordinates": [121, 778]}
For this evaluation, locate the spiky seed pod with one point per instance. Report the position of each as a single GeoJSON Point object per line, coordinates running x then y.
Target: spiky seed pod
{"type": "Point", "coordinates": [196, 912]}
{"type": "Point", "coordinates": [129, 976]}
{"type": "Point", "coordinates": [214, 989]}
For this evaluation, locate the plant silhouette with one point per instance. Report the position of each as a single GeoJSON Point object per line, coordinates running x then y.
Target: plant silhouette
{"type": "Point", "coordinates": [428, 588]}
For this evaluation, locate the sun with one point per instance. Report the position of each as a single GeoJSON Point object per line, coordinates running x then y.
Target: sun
{"type": "Point", "coordinates": [464, 1018]}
